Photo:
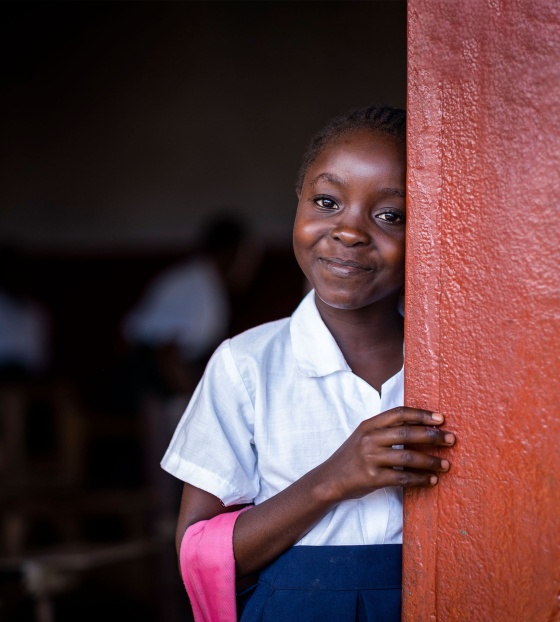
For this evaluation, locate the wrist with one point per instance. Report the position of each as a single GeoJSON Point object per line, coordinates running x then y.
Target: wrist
{"type": "Point", "coordinates": [325, 491]}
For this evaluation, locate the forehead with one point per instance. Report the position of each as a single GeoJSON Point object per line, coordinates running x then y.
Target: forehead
{"type": "Point", "coordinates": [357, 150]}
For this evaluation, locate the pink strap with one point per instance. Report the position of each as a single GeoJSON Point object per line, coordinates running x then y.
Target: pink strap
{"type": "Point", "coordinates": [208, 568]}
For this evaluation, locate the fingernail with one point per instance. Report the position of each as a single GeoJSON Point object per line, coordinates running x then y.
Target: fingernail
{"type": "Point", "coordinates": [449, 438]}
{"type": "Point", "coordinates": [433, 480]}
{"type": "Point", "coordinates": [437, 417]}
{"type": "Point", "coordinates": [445, 464]}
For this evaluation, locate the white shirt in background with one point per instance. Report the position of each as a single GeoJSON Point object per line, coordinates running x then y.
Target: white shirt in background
{"type": "Point", "coordinates": [24, 334]}
{"type": "Point", "coordinates": [187, 305]}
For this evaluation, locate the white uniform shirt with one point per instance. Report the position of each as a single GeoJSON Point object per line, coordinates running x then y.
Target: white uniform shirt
{"type": "Point", "coordinates": [275, 402]}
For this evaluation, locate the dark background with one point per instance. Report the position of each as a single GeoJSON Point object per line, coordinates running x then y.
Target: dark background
{"type": "Point", "coordinates": [124, 126]}
{"type": "Point", "coordinates": [124, 123]}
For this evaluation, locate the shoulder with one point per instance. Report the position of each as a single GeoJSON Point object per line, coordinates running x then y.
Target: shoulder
{"type": "Point", "coordinates": [253, 354]}
{"type": "Point", "coordinates": [277, 341]}
{"type": "Point", "coordinates": [255, 342]}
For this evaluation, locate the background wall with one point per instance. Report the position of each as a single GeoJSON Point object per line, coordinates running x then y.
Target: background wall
{"type": "Point", "coordinates": [483, 312]}
{"type": "Point", "coordinates": [125, 123]}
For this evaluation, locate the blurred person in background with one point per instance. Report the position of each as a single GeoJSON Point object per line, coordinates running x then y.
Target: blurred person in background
{"type": "Point", "coordinates": [185, 312]}
{"type": "Point", "coordinates": [25, 343]}
{"type": "Point", "coordinates": [180, 318]}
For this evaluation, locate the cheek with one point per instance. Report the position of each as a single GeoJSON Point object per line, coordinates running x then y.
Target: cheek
{"type": "Point", "coordinates": [306, 232]}
{"type": "Point", "coordinates": [303, 240]}
{"type": "Point", "coordinates": [394, 255]}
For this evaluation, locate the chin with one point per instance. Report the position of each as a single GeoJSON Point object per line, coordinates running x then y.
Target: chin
{"type": "Point", "coordinates": [340, 301]}
{"type": "Point", "coordinates": [348, 301]}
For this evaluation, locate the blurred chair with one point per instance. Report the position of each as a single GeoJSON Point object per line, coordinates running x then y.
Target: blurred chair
{"type": "Point", "coordinates": [46, 507]}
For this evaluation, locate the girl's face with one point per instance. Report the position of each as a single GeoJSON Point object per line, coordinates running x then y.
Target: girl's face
{"type": "Point", "coordinates": [349, 232]}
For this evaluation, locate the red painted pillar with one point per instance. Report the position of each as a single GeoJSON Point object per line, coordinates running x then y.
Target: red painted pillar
{"type": "Point", "coordinates": [483, 307]}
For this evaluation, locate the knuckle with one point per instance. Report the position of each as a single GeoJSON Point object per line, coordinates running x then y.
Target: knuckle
{"type": "Point", "coordinates": [363, 441]}
{"type": "Point", "coordinates": [397, 412]}
{"type": "Point", "coordinates": [403, 432]}
{"type": "Point", "coordinates": [404, 478]}
{"type": "Point", "coordinates": [433, 434]}
{"type": "Point", "coordinates": [407, 457]}
{"type": "Point", "coordinates": [435, 464]}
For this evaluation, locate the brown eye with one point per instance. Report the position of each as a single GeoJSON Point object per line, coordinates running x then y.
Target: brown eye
{"type": "Point", "coordinates": [326, 203]}
{"type": "Point", "coordinates": [391, 216]}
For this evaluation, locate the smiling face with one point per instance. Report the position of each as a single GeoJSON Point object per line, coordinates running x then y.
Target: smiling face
{"type": "Point", "coordinates": [349, 231]}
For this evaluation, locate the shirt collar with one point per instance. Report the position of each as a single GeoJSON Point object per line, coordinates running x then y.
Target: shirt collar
{"type": "Point", "coordinates": [315, 349]}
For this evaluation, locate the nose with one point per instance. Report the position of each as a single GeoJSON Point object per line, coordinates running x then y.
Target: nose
{"type": "Point", "coordinates": [350, 234]}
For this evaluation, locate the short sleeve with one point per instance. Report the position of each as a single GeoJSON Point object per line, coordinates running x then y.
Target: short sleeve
{"type": "Point", "coordinates": [213, 447]}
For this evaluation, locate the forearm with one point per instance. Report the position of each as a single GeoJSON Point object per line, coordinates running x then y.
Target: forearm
{"type": "Point", "coordinates": [363, 463]}
{"type": "Point", "coordinates": [272, 527]}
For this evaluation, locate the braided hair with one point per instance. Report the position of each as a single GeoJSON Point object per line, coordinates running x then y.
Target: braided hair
{"type": "Point", "coordinates": [380, 119]}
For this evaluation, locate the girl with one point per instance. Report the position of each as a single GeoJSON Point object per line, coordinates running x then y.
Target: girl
{"type": "Point", "coordinates": [302, 418]}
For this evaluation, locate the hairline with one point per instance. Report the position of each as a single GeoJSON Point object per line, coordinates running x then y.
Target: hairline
{"type": "Point", "coordinates": [338, 136]}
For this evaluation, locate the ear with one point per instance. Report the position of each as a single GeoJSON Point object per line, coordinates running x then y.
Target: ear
{"type": "Point", "coordinates": [298, 193]}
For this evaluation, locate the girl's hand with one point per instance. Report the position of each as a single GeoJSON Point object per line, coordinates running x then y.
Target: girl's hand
{"type": "Point", "coordinates": [361, 465]}
{"type": "Point", "coordinates": [366, 461]}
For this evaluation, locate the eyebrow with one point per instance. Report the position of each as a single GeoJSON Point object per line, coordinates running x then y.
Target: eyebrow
{"type": "Point", "coordinates": [334, 179]}
{"type": "Point", "coordinates": [393, 192]}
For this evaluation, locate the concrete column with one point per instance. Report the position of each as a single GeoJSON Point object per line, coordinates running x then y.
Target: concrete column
{"type": "Point", "coordinates": [483, 307]}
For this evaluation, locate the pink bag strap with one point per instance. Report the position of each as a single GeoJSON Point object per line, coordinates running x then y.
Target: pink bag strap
{"type": "Point", "coordinates": [208, 568]}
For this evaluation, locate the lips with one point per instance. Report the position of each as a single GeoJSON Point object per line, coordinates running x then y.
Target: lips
{"type": "Point", "coordinates": [344, 267]}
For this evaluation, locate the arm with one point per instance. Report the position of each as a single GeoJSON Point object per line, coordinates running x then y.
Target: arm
{"type": "Point", "coordinates": [362, 464]}
{"type": "Point", "coordinates": [198, 505]}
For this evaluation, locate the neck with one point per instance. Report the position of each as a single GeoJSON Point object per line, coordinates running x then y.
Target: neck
{"type": "Point", "coordinates": [370, 339]}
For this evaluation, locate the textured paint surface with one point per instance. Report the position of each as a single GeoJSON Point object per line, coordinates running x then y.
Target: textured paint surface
{"type": "Point", "coordinates": [483, 307]}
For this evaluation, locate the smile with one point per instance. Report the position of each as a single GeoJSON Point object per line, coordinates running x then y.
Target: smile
{"type": "Point", "coordinates": [344, 267]}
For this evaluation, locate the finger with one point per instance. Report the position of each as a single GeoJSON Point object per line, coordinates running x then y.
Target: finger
{"type": "Point", "coordinates": [410, 459]}
{"type": "Point", "coordinates": [409, 479]}
{"type": "Point", "coordinates": [404, 415]}
{"type": "Point", "coordinates": [420, 435]}
{"type": "Point", "coordinates": [409, 435]}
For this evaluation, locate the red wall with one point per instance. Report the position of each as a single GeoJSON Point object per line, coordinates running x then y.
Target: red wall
{"type": "Point", "coordinates": [483, 312]}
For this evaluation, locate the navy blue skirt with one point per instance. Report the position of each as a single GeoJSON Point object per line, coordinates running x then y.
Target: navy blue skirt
{"type": "Point", "coordinates": [321, 583]}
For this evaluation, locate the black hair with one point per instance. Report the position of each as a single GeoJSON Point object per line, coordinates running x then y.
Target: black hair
{"type": "Point", "coordinates": [381, 119]}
